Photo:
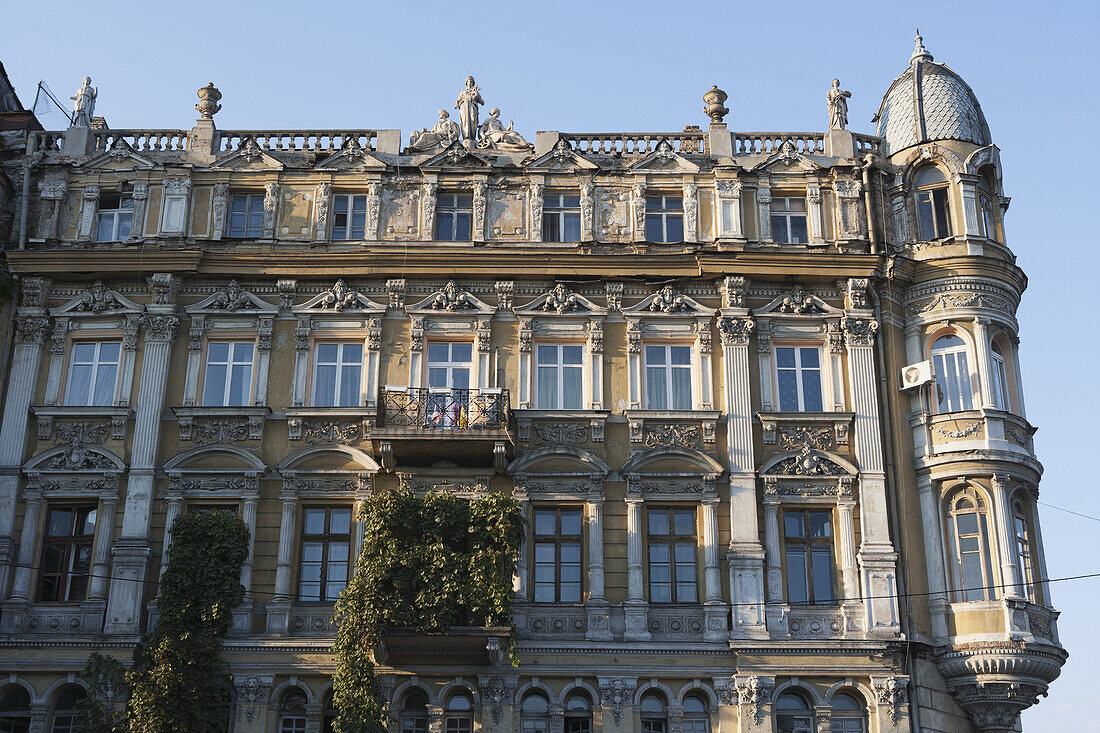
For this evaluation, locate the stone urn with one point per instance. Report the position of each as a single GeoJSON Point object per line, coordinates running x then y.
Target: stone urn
{"type": "Point", "coordinates": [208, 101]}
{"type": "Point", "coordinates": [715, 99]}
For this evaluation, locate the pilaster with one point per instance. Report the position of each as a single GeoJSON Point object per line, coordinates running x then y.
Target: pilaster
{"type": "Point", "coordinates": [635, 606]}
{"type": "Point", "coordinates": [598, 609]}
{"type": "Point", "coordinates": [278, 608]}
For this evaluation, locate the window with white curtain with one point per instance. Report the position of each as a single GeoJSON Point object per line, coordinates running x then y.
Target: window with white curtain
{"type": "Point", "coordinates": [1000, 377]}
{"type": "Point", "coordinates": [953, 388]}
{"type": "Point", "coordinates": [228, 375]}
{"type": "Point", "coordinates": [349, 216]}
{"type": "Point", "coordinates": [668, 377]}
{"type": "Point", "coordinates": [337, 374]}
{"type": "Point", "coordinates": [969, 546]}
{"type": "Point", "coordinates": [559, 377]}
{"type": "Point", "coordinates": [798, 378]}
{"type": "Point", "coordinates": [93, 373]}
{"type": "Point", "coordinates": [1022, 528]}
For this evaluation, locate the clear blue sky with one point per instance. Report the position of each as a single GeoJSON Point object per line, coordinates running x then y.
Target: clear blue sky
{"type": "Point", "coordinates": [592, 66]}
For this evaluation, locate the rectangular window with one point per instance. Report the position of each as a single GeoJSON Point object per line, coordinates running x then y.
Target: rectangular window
{"type": "Point", "coordinates": [349, 217]}
{"type": "Point", "coordinates": [228, 376]}
{"type": "Point", "coordinates": [561, 218]}
{"type": "Point", "coordinates": [789, 220]}
{"type": "Point", "coordinates": [338, 375]}
{"type": "Point", "coordinates": [809, 555]}
{"type": "Point", "coordinates": [559, 377]}
{"type": "Point", "coordinates": [246, 215]}
{"type": "Point", "coordinates": [668, 377]}
{"type": "Point", "coordinates": [454, 213]}
{"type": "Point", "coordinates": [67, 554]}
{"type": "Point", "coordinates": [672, 556]}
{"type": "Point", "coordinates": [449, 365]}
{"type": "Point", "coordinates": [664, 219]}
{"type": "Point", "coordinates": [558, 555]}
{"type": "Point", "coordinates": [326, 548]}
{"type": "Point", "coordinates": [93, 373]}
{"type": "Point", "coordinates": [798, 376]}
{"type": "Point", "coordinates": [114, 217]}
{"type": "Point", "coordinates": [1000, 381]}
{"type": "Point", "coordinates": [1023, 554]}
{"type": "Point", "coordinates": [988, 217]}
{"type": "Point", "coordinates": [932, 214]}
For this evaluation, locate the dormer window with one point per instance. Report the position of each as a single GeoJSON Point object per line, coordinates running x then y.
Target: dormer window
{"type": "Point", "coordinates": [453, 214]}
{"type": "Point", "coordinates": [349, 217]}
{"type": "Point", "coordinates": [789, 220]}
{"type": "Point", "coordinates": [987, 208]}
{"type": "Point", "coordinates": [561, 218]}
{"type": "Point", "coordinates": [933, 209]}
{"type": "Point", "coordinates": [246, 215]}
{"type": "Point", "coordinates": [116, 213]}
{"type": "Point", "coordinates": [664, 219]}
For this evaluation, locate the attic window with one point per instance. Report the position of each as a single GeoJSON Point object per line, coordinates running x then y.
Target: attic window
{"type": "Point", "coordinates": [933, 208]}
{"type": "Point", "coordinates": [116, 213]}
{"type": "Point", "coordinates": [788, 218]}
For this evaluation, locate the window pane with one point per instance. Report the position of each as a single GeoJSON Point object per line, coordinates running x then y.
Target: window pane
{"type": "Point", "coordinates": [313, 521]}
{"type": "Point", "coordinates": [80, 385]}
{"type": "Point", "coordinates": [106, 378]}
{"type": "Point", "coordinates": [779, 228]}
{"type": "Point", "coordinates": [547, 388]}
{"type": "Point", "coordinates": [654, 228]}
{"type": "Point", "coordinates": [544, 522]}
{"type": "Point", "coordinates": [788, 390]}
{"type": "Point", "coordinates": [572, 229]}
{"type": "Point", "coordinates": [213, 392]}
{"type": "Point", "coordinates": [656, 389]}
{"type": "Point", "coordinates": [820, 524]}
{"type": "Point", "coordinates": [674, 228]}
{"type": "Point", "coordinates": [572, 388]}
{"type": "Point", "coordinates": [939, 203]}
{"type": "Point", "coordinates": [793, 525]}
{"type": "Point", "coordinates": [924, 217]}
{"type": "Point", "coordinates": [324, 389]}
{"type": "Point", "coordinates": [241, 384]}
{"type": "Point", "coordinates": [461, 352]}
{"type": "Point", "coordinates": [811, 390]}
{"type": "Point", "coordinates": [444, 227]}
{"type": "Point", "coordinates": [681, 389]}
{"type": "Point", "coordinates": [797, 588]}
{"type": "Point", "coordinates": [349, 385]}
{"type": "Point", "coordinates": [684, 521]}
{"type": "Point", "coordinates": [658, 522]}
{"type": "Point", "coordinates": [571, 522]}
{"type": "Point", "coordinates": [340, 521]}
{"type": "Point", "coordinates": [798, 230]}
{"type": "Point", "coordinates": [547, 354]}
{"type": "Point", "coordinates": [551, 231]}
{"type": "Point", "coordinates": [823, 574]}
{"type": "Point", "coordinates": [462, 227]}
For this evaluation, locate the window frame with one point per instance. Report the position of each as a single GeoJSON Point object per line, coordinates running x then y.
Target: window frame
{"type": "Point", "coordinates": [116, 216]}
{"type": "Point", "coordinates": [326, 539]}
{"type": "Point", "coordinates": [559, 368]}
{"type": "Point", "coordinates": [663, 215]}
{"type": "Point", "coordinates": [413, 720]}
{"type": "Point", "coordinates": [71, 714]}
{"type": "Point", "coordinates": [230, 363]}
{"type": "Point", "coordinates": [293, 719]}
{"type": "Point", "coordinates": [809, 543]}
{"type": "Point", "coordinates": [453, 208]}
{"type": "Point", "coordinates": [961, 586]}
{"type": "Point", "coordinates": [668, 368]}
{"type": "Point", "coordinates": [936, 199]}
{"type": "Point", "coordinates": [450, 365]}
{"type": "Point", "coordinates": [803, 719]}
{"type": "Point", "coordinates": [557, 541]}
{"type": "Point", "coordinates": [71, 544]}
{"type": "Point", "coordinates": [350, 200]}
{"type": "Point", "coordinates": [788, 215]}
{"type": "Point", "coordinates": [246, 230]}
{"type": "Point", "coordinates": [577, 719]}
{"type": "Point", "coordinates": [672, 540]}
{"type": "Point", "coordinates": [95, 364]}
{"type": "Point", "coordinates": [534, 718]}
{"type": "Point", "coordinates": [965, 395]}
{"type": "Point", "coordinates": [463, 719]}
{"type": "Point", "coordinates": [1024, 553]}
{"type": "Point", "coordinates": [340, 366]}
{"type": "Point", "coordinates": [556, 216]}
{"type": "Point", "coordinates": [799, 372]}
{"type": "Point", "coordinates": [652, 722]}
{"type": "Point", "coordinates": [999, 379]}
{"type": "Point", "coordinates": [691, 717]}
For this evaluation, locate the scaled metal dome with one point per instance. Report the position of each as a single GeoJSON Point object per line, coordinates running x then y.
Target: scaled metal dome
{"type": "Point", "coordinates": [929, 102]}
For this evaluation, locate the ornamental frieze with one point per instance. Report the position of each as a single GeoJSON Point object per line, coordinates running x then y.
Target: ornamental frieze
{"type": "Point", "coordinates": [668, 436]}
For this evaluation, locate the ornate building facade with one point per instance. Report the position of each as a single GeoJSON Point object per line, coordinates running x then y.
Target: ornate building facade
{"type": "Point", "coordinates": [758, 394]}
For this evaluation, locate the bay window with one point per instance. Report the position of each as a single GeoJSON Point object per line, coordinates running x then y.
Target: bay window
{"type": "Point", "coordinates": [953, 386]}
{"type": "Point", "coordinates": [968, 546]}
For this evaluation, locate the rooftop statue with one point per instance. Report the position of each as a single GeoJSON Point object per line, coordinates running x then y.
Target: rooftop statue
{"type": "Point", "coordinates": [443, 134]}
{"type": "Point", "coordinates": [84, 103]}
{"type": "Point", "coordinates": [494, 134]}
{"type": "Point", "coordinates": [836, 100]}
{"type": "Point", "coordinates": [467, 105]}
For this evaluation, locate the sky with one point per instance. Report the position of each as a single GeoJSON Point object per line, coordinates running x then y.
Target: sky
{"type": "Point", "coordinates": [643, 66]}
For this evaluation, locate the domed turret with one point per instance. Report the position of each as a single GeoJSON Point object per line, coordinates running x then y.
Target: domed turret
{"type": "Point", "coordinates": [929, 102]}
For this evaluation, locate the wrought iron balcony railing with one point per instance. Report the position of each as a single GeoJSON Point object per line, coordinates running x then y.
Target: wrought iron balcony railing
{"type": "Point", "coordinates": [425, 408]}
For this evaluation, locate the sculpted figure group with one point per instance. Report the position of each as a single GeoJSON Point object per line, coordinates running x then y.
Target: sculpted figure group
{"type": "Point", "coordinates": [489, 135]}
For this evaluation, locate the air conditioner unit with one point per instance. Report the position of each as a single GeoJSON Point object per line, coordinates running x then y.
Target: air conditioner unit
{"type": "Point", "coordinates": [914, 375]}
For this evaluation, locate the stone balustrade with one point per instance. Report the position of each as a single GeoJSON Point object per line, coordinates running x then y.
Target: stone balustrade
{"type": "Point", "coordinates": [766, 143]}
{"type": "Point", "coordinates": [635, 143]}
{"type": "Point", "coordinates": [139, 140]}
{"type": "Point", "coordinates": [299, 141]}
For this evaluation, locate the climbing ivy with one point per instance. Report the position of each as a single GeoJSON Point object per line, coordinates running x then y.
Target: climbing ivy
{"type": "Point", "coordinates": [180, 683]}
{"type": "Point", "coordinates": [106, 681]}
{"type": "Point", "coordinates": [428, 563]}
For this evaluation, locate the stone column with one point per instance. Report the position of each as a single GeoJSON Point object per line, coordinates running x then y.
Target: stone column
{"type": "Point", "coordinates": [278, 608]}
{"type": "Point", "coordinates": [714, 608]}
{"type": "Point", "coordinates": [137, 217]}
{"type": "Point", "coordinates": [813, 202]}
{"type": "Point", "coordinates": [242, 615]}
{"type": "Point", "coordinates": [771, 548]}
{"type": "Point", "coordinates": [764, 210]}
{"type": "Point", "coordinates": [691, 212]}
{"type": "Point", "coordinates": [1019, 378]}
{"type": "Point", "coordinates": [847, 536]}
{"type": "Point", "coordinates": [985, 361]}
{"type": "Point", "coordinates": [105, 530]}
{"type": "Point", "coordinates": [1006, 536]}
{"type": "Point", "coordinates": [131, 552]}
{"type": "Point", "coordinates": [171, 513]}
{"type": "Point", "coordinates": [271, 209]}
{"type": "Point", "coordinates": [745, 555]}
{"type": "Point", "coordinates": [86, 225]}
{"type": "Point", "coordinates": [877, 557]}
{"type": "Point", "coordinates": [635, 606]}
{"type": "Point", "coordinates": [30, 335]}
{"type": "Point", "coordinates": [28, 545]}
{"type": "Point", "coordinates": [40, 712]}
{"type": "Point", "coordinates": [599, 622]}
{"type": "Point", "coordinates": [220, 209]}
{"type": "Point", "coordinates": [933, 556]}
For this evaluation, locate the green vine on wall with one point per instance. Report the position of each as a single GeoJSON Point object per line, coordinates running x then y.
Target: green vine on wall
{"type": "Point", "coordinates": [181, 682]}
{"type": "Point", "coordinates": [429, 563]}
{"type": "Point", "coordinates": [105, 678]}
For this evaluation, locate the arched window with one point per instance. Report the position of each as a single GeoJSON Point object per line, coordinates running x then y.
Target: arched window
{"type": "Point", "coordinates": [328, 716]}
{"type": "Point", "coordinates": [793, 714]}
{"type": "Point", "coordinates": [1022, 527]}
{"type": "Point", "coordinates": [459, 716]}
{"type": "Point", "coordinates": [696, 715]}
{"type": "Point", "coordinates": [66, 712]}
{"type": "Point", "coordinates": [535, 713]}
{"type": "Point", "coordinates": [849, 715]}
{"type": "Point", "coordinates": [15, 710]}
{"type": "Point", "coordinates": [953, 389]}
{"type": "Point", "coordinates": [1000, 376]}
{"type": "Point", "coordinates": [414, 712]}
{"type": "Point", "coordinates": [933, 209]}
{"type": "Point", "coordinates": [968, 538]}
{"type": "Point", "coordinates": [654, 714]}
{"type": "Point", "coordinates": [292, 711]}
{"type": "Point", "coordinates": [987, 207]}
{"type": "Point", "coordinates": [578, 713]}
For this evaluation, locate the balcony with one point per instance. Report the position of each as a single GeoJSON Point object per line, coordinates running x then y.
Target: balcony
{"type": "Point", "coordinates": [970, 430]}
{"type": "Point", "coordinates": [456, 420]}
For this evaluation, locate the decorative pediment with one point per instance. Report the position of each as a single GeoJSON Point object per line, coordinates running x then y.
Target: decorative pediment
{"type": "Point", "coordinates": [249, 155]}
{"type": "Point", "coordinates": [561, 158]}
{"type": "Point", "coordinates": [558, 460]}
{"type": "Point", "coordinates": [665, 160]}
{"type": "Point", "coordinates": [353, 157]}
{"type": "Point", "coordinates": [807, 461]}
{"type": "Point", "coordinates": [327, 470]}
{"type": "Point", "coordinates": [340, 298]}
{"type": "Point", "coordinates": [787, 156]}
{"type": "Point", "coordinates": [76, 457]}
{"type": "Point", "coordinates": [98, 300]}
{"type": "Point", "coordinates": [561, 300]}
{"type": "Point", "coordinates": [121, 156]}
{"type": "Point", "coordinates": [670, 462]}
{"type": "Point", "coordinates": [667, 301]}
{"type": "Point", "coordinates": [233, 299]}
{"type": "Point", "coordinates": [450, 299]}
{"type": "Point", "coordinates": [456, 156]}
{"type": "Point", "coordinates": [798, 303]}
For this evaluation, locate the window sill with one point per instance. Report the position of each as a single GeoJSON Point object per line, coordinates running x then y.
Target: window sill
{"type": "Point", "coordinates": [204, 425]}
{"type": "Point", "coordinates": [672, 428]}
{"type": "Point", "coordinates": [48, 415]}
{"type": "Point", "coordinates": [330, 424]}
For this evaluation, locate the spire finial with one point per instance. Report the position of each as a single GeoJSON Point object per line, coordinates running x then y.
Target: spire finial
{"type": "Point", "coordinates": [920, 53]}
